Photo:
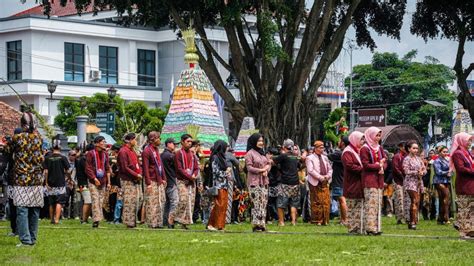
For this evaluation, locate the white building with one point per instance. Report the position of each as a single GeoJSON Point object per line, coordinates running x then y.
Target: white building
{"type": "Point", "coordinates": [88, 54]}
{"type": "Point", "coordinates": [84, 56]}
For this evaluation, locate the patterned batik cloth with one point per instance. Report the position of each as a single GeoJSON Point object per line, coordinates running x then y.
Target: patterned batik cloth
{"type": "Point", "coordinates": [31, 196]}
{"type": "Point", "coordinates": [289, 191]}
{"type": "Point", "coordinates": [413, 183]}
{"type": "Point", "coordinates": [320, 203]}
{"type": "Point", "coordinates": [184, 210]}
{"type": "Point", "coordinates": [230, 198]}
{"type": "Point", "coordinates": [259, 198]}
{"type": "Point", "coordinates": [273, 191]}
{"type": "Point", "coordinates": [97, 196]}
{"type": "Point", "coordinates": [355, 216]}
{"type": "Point", "coordinates": [373, 209]}
{"type": "Point", "coordinates": [55, 191]}
{"type": "Point", "coordinates": [27, 162]}
{"type": "Point", "coordinates": [398, 202]}
{"type": "Point", "coordinates": [155, 205]}
{"type": "Point", "coordinates": [465, 217]}
{"type": "Point", "coordinates": [130, 202]}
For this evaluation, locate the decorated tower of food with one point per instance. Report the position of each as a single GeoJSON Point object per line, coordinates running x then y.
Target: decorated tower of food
{"type": "Point", "coordinates": [462, 122]}
{"type": "Point", "coordinates": [193, 109]}
{"type": "Point", "coordinates": [247, 129]}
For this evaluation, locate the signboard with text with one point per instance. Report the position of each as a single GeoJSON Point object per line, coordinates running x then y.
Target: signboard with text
{"type": "Point", "coordinates": [372, 117]}
{"type": "Point", "coordinates": [106, 122]}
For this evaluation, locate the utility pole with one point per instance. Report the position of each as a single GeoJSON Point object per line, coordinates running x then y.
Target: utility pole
{"type": "Point", "coordinates": [351, 47]}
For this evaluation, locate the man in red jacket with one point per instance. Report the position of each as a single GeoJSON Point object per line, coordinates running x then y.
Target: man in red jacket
{"type": "Point", "coordinates": [187, 170]}
{"type": "Point", "coordinates": [397, 166]}
{"type": "Point", "coordinates": [98, 174]}
{"type": "Point", "coordinates": [130, 175]}
{"type": "Point", "coordinates": [155, 181]}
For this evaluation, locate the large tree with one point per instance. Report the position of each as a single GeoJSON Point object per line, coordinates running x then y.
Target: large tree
{"type": "Point", "coordinates": [402, 86]}
{"type": "Point", "coordinates": [453, 20]}
{"type": "Point", "coordinates": [281, 60]}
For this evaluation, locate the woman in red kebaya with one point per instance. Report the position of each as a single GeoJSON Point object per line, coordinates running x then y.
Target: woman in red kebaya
{"type": "Point", "coordinates": [462, 163]}
{"type": "Point", "coordinates": [352, 186]}
{"type": "Point", "coordinates": [374, 163]}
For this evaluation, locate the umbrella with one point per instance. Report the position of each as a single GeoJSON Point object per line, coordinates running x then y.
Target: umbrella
{"type": "Point", "coordinates": [93, 129]}
{"type": "Point", "coordinates": [109, 139]}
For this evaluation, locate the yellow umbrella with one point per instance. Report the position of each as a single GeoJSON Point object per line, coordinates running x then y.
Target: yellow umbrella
{"type": "Point", "coordinates": [92, 129]}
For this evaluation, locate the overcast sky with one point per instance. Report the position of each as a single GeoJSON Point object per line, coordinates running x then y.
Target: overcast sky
{"type": "Point", "coordinates": [444, 50]}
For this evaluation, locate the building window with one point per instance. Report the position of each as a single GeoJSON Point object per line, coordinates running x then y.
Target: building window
{"type": "Point", "coordinates": [146, 68]}
{"type": "Point", "coordinates": [73, 62]}
{"type": "Point", "coordinates": [108, 64]}
{"type": "Point", "coordinates": [14, 60]}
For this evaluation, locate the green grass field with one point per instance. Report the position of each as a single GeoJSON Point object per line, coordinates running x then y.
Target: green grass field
{"type": "Point", "coordinates": [304, 244]}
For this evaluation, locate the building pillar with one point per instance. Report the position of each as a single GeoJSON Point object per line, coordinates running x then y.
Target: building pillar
{"type": "Point", "coordinates": [81, 129]}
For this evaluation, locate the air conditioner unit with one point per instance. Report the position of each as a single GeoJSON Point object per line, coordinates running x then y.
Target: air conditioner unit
{"type": "Point", "coordinates": [95, 75]}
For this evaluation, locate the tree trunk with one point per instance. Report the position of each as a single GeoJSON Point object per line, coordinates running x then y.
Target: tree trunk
{"type": "Point", "coordinates": [464, 97]}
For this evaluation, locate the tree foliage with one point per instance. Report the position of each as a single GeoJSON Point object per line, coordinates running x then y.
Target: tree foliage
{"type": "Point", "coordinates": [134, 117]}
{"type": "Point", "coordinates": [453, 20]}
{"type": "Point", "coordinates": [401, 86]}
{"type": "Point", "coordinates": [275, 57]}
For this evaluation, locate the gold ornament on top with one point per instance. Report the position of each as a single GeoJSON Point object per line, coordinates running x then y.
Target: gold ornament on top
{"type": "Point", "coordinates": [191, 57]}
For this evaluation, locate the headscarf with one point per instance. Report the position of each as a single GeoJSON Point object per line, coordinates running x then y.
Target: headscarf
{"type": "Point", "coordinates": [28, 122]}
{"type": "Point", "coordinates": [354, 140]}
{"type": "Point", "coordinates": [460, 142]}
{"type": "Point", "coordinates": [218, 154]}
{"type": "Point", "coordinates": [370, 134]}
{"type": "Point", "coordinates": [252, 143]}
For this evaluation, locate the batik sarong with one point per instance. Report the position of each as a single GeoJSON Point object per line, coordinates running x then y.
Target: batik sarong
{"type": "Point", "coordinates": [259, 198]}
{"type": "Point", "coordinates": [156, 199]}
{"type": "Point", "coordinates": [465, 217]}
{"type": "Point", "coordinates": [398, 202]}
{"type": "Point", "coordinates": [373, 210]}
{"type": "Point", "coordinates": [184, 210]}
{"type": "Point", "coordinates": [355, 216]}
{"type": "Point", "coordinates": [97, 196]}
{"type": "Point", "coordinates": [130, 202]}
{"type": "Point", "coordinates": [320, 203]}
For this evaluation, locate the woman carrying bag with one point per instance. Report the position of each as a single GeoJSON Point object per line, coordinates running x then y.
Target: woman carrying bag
{"type": "Point", "coordinates": [220, 176]}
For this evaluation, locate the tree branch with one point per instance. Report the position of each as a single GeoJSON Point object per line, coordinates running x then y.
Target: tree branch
{"type": "Point", "coordinates": [333, 51]}
{"type": "Point", "coordinates": [468, 70]}
{"type": "Point", "coordinates": [209, 48]}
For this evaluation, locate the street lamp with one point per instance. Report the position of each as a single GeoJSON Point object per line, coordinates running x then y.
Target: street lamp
{"type": "Point", "coordinates": [112, 92]}
{"type": "Point", "coordinates": [52, 87]}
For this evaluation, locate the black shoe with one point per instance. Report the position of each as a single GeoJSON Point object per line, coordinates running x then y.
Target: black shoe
{"type": "Point", "coordinates": [412, 226]}
{"type": "Point", "coordinates": [95, 224]}
{"type": "Point", "coordinates": [171, 226]}
{"type": "Point", "coordinates": [399, 222]}
{"type": "Point", "coordinates": [456, 226]}
{"type": "Point", "coordinates": [185, 227]}
{"type": "Point", "coordinates": [370, 233]}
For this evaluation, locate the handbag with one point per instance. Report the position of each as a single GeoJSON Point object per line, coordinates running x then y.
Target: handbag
{"type": "Point", "coordinates": [212, 191]}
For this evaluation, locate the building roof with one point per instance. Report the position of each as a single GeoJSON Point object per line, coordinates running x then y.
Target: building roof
{"type": "Point", "coordinates": [56, 9]}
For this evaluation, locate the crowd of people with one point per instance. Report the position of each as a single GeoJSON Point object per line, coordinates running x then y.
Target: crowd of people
{"type": "Point", "coordinates": [179, 186]}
